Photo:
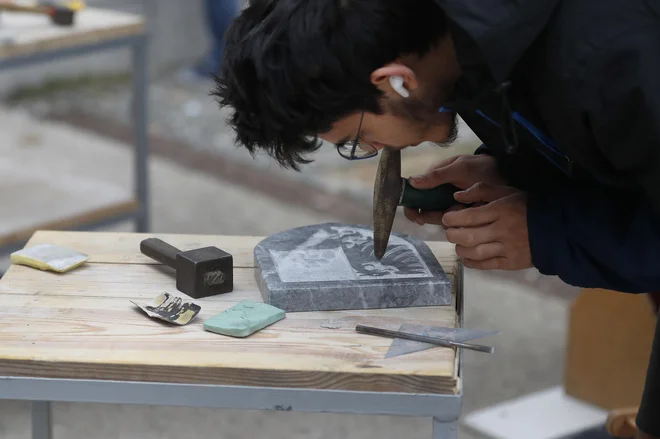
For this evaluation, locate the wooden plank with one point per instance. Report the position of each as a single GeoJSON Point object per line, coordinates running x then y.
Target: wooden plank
{"type": "Point", "coordinates": [33, 33]}
{"type": "Point", "coordinates": [65, 329]}
{"type": "Point", "coordinates": [124, 248]}
{"type": "Point", "coordinates": [71, 221]}
{"type": "Point", "coordinates": [144, 282]}
{"type": "Point", "coordinates": [83, 325]}
{"type": "Point", "coordinates": [131, 281]}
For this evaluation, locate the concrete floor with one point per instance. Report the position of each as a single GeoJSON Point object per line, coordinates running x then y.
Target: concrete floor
{"type": "Point", "coordinates": [529, 351]}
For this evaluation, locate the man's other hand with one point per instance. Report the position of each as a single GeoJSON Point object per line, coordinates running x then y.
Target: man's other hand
{"type": "Point", "coordinates": [463, 171]}
{"type": "Point", "coordinates": [492, 236]}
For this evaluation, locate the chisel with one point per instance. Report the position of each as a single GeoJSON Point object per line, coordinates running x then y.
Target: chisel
{"type": "Point", "coordinates": [392, 191]}
{"type": "Point", "coordinates": [423, 338]}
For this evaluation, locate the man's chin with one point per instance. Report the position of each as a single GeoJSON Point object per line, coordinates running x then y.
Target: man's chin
{"type": "Point", "coordinates": [452, 136]}
{"type": "Point", "coordinates": [449, 141]}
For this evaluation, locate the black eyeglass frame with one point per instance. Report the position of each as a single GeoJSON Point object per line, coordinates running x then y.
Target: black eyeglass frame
{"type": "Point", "coordinates": [356, 141]}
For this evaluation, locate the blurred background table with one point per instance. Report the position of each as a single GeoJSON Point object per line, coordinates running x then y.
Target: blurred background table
{"type": "Point", "coordinates": [70, 200]}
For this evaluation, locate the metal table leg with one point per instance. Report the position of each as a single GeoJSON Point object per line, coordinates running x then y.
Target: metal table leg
{"type": "Point", "coordinates": [140, 132]}
{"type": "Point", "coordinates": [42, 425]}
{"type": "Point", "coordinates": [445, 430]}
{"type": "Point", "coordinates": [138, 45]}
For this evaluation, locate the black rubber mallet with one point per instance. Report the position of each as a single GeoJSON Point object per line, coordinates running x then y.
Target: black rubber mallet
{"type": "Point", "coordinates": [202, 272]}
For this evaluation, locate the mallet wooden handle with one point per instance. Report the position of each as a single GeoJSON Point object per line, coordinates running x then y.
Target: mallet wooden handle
{"type": "Point", "coordinates": [160, 251]}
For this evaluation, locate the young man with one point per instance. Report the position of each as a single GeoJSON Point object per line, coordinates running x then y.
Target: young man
{"type": "Point", "coordinates": [564, 95]}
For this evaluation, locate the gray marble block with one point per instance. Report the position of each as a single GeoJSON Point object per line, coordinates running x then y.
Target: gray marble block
{"type": "Point", "coordinates": [332, 266]}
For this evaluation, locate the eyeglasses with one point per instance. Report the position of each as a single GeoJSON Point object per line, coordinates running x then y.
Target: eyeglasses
{"type": "Point", "coordinates": [357, 151]}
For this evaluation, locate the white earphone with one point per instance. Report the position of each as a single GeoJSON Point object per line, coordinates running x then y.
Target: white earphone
{"type": "Point", "coordinates": [397, 85]}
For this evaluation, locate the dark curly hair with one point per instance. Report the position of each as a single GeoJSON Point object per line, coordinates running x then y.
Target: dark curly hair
{"type": "Point", "coordinates": [292, 68]}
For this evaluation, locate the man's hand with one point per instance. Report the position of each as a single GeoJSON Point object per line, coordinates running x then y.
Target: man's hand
{"type": "Point", "coordinates": [463, 171]}
{"type": "Point", "coordinates": [492, 236]}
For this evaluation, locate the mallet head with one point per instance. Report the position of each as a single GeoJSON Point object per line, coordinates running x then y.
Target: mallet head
{"type": "Point", "coordinates": [204, 272]}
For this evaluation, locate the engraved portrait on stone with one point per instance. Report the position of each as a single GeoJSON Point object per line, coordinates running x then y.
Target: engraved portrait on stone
{"type": "Point", "coordinates": [346, 252]}
{"type": "Point", "coordinates": [332, 266]}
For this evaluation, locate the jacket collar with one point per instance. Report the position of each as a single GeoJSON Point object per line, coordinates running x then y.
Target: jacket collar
{"type": "Point", "coordinates": [490, 38]}
{"type": "Point", "coordinates": [495, 32]}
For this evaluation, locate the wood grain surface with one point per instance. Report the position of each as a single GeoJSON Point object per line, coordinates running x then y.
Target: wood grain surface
{"type": "Point", "coordinates": [82, 324]}
{"type": "Point", "coordinates": [27, 34]}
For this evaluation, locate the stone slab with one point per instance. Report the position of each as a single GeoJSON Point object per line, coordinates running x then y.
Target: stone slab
{"type": "Point", "coordinates": [331, 266]}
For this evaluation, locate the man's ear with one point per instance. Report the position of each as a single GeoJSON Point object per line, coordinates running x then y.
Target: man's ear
{"type": "Point", "coordinates": [381, 78]}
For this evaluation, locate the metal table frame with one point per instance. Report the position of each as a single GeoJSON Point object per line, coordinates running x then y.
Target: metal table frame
{"type": "Point", "coordinates": [444, 410]}
{"type": "Point", "coordinates": [138, 45]}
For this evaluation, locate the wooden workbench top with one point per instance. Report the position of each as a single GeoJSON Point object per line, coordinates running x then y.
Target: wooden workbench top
{"type": "Point", "coordinates": [82, 325]}
{"type": "Point", "coordinates": [27, 34]}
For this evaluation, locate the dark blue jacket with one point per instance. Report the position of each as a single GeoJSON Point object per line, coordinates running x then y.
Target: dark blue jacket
{"type": "Point", "coordinates": [566, 95]}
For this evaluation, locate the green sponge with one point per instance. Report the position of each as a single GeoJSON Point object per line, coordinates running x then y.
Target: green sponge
{"type": "Point", "coordinates": [243, 319]}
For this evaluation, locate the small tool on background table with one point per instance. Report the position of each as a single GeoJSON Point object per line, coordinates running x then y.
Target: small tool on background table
{"type": "Point", "coordinates": [423, 341]}
{"type": "Point", "coordinates": [60, 14]}
{"type": "Point", "coordinates": [392, 191]}
{"type": "Point", "coordinates": [200, 273]}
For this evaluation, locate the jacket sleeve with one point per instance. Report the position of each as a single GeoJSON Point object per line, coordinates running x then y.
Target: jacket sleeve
{"type": "Point", "coordinates": [604, 237]}
{"type": "Point", "coordinates": [596, 238]}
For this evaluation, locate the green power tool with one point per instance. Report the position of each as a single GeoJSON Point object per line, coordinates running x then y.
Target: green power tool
{"type": "Point", "coordinates": [391, 191]}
